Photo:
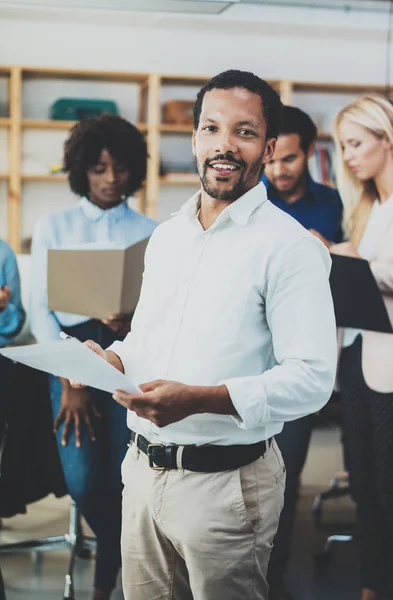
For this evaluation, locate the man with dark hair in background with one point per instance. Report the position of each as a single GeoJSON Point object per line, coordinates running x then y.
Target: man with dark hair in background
{"type": "Point", "coordinates": [318, 208]}
{"type": "Point", "coordinates": [224, 353]}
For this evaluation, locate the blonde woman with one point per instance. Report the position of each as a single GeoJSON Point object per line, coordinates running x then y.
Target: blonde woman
{"type": "Point", "coordinates": [363, 133]}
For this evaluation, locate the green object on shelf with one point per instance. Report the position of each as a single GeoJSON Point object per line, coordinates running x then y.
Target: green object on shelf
{"type": "Point", "coordinates": [76, 109]}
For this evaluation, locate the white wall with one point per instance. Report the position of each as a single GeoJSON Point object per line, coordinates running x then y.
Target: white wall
{"type": "Point", "coordinates": [275, 43]}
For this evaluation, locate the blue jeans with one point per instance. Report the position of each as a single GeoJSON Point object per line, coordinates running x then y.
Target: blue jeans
{"type": "Point", "coordinates": [293, 442]}
{"type": "Point", "coordinates": [92, 472]}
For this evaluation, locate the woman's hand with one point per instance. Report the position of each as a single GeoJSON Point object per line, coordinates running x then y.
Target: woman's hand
{"type": "Point", "coordinates": [345, 249]}
{"type": "Point", "coordinates": [76, 409]}
{"type": "Point", "coordinates": [119, 324]}
{"type": "Point", "coordinates": [5, 295]}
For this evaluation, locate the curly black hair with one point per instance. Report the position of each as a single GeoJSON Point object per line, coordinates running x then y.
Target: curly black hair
{"type": "Point", "coordinates": [90, 137]}
{"type": "Point", "coordinates": [227, 80]}
{"type": "Point", "coordinates": [295, 120]}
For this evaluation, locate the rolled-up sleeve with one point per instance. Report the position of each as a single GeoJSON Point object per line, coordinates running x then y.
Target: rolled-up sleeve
{"type": "Point", "coordinates": [13, 316]}
{"type": "Point", "coordinates": [300, 316]}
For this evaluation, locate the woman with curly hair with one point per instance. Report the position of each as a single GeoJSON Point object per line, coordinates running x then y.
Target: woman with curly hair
{"type": "Point", "coordinates": [105, 159]}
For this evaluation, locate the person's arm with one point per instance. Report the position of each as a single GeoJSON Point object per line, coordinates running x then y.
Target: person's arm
{"type": "Point", "coordinates": [339, 234]}
{"type": "Point", "coordinates": [13, 316]}
{"type": "Point", "coordinates": [44, 324]}
{"type": "Point", "coordinates": [300, 316]}
{"type": "Point", "coordinates": [383, 273]}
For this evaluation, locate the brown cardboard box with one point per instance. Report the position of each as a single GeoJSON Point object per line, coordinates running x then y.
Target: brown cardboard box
{"type": "Point", "coordinates": [93, 282]}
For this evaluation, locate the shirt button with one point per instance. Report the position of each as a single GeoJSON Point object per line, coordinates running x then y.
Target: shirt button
{"type": "Point", "coordinates": [226, 220]}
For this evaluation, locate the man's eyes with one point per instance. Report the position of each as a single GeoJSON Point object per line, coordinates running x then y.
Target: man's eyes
{"type": "Point", "coordinates": [242, 132]}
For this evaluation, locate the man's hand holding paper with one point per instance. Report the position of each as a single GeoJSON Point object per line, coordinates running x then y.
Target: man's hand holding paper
{"type": "Point", "coordinates": [75, 361]}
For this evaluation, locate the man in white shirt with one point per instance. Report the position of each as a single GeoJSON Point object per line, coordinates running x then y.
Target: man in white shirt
{"type": "Point", "coordinates": [234, 334]}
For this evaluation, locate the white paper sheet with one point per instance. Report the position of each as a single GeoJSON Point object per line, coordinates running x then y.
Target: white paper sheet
{"type": "Point", "coordinates": [73, 360]}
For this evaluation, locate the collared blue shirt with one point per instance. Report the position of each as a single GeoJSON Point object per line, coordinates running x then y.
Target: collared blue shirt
{"type": "Point", "coordinates": [319, 208]}
{"type": "Point", "coordinates": [13, 316]}
{"type": "Point", "coordinates": [83, 223]}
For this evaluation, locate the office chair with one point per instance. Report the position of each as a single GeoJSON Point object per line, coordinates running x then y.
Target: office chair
{"type": "Point", "coordinates": [339, 487]}
{"type": "Point", "coordinates": [74, 540]}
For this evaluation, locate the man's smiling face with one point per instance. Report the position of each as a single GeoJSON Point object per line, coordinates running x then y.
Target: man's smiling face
{"type": "Point", "coordinates": [230, 143]}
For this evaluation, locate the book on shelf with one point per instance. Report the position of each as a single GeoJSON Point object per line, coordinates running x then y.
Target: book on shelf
{"type": "Point", "coordinates": [321, 164]}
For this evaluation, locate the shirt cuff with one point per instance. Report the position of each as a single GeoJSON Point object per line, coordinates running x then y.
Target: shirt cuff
{"type": "Point", "coordinates": [249, 399]}
{"type": "Point", "coordinates": [117, 348]}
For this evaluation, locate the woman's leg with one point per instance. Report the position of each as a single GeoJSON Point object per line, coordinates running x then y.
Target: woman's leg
{"type": "Point", "coordinates": [359, 436]}
{"type": "Point", "coordinates": [115, 438]}
{"type": "Point", "coordinates": [93, 471]}
{"type": "Point", "coordinates": [382, 422]}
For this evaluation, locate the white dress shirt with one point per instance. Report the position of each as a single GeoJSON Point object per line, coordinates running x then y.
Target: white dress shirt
{"type": "Point", "coordinates": [245, 303]}
{"type": "Point", "coordinates": [374, 229]}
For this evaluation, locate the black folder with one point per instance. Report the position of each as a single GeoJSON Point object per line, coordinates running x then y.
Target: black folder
{"type": "Point", "coordinates": [357, 300]}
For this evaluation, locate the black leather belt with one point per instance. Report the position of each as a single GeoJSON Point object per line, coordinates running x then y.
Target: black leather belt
{"type": "Point", "coordinates": [202, 459]}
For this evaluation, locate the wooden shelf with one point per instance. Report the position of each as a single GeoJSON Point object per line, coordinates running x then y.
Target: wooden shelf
{"type": "Point", "coordinates": [337, 88]}
{"type": "Point", "coordinates": [47, 124]}
{"type": "Point", "coordinates": [197, 80]}
{"type": "Point", "coordinates": [49, 73]}
{"type": "Point", "coordinates": [4, 176]}
{"type": "Point", "coordinates": [180, 179]}
{"type": "Point", "coordinates": [44, 177]}
{"type": "Point", "coordinates": [176, 128]}
{"type": "Point", "coordinates": [5, 122]}
{"type": "Point", "coordinates": [57, 124]}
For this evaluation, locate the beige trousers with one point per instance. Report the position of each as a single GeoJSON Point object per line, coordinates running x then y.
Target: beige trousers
{"type": "Point", "coordinates": [199, 536]}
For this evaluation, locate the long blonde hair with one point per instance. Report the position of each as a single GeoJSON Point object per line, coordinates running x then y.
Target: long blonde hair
{"type": "Point", "coordinates": [374, 113]}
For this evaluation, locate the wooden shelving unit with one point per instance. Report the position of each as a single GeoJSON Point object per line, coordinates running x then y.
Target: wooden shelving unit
{"type": "Point", "coordinates": [151, 87]}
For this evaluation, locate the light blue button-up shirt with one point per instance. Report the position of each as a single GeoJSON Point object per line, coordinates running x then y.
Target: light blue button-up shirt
{"type": "Point", "coordinates": [13, 316]}
{"type": "Point", "coordinates": [83, 223]}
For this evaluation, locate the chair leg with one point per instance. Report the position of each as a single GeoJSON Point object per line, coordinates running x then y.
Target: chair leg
{"type": "Point", "coordinates": [74, 540]}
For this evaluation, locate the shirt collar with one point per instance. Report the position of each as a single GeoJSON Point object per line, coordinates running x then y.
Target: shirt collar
{"type": "Point", "coordinates": [310, 191]}
{"type": "Point", "coordinates": [239, 211]}
{"type": "Point", "coordinates": [94, 212]}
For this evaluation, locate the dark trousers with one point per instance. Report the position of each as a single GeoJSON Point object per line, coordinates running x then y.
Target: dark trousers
{"type": "Point", "coordinates": [368, 441]}
{"type": "Point", "coordinates": [2, 591]}
{"type": "Point", "coordinates": [7, 369]}
{"type": "Point", "coordinates": [92, 472]}
{"type": "Point", "coordinates": [293, 442]}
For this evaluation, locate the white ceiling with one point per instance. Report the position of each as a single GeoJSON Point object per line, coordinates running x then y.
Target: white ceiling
{"type": "Point", "coordinates": [158, 6]}
{"type": "Point", "coordinates": [197, 6]}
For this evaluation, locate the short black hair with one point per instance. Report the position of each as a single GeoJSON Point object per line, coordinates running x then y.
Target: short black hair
{"type": "Point", "coordinates": [90, 137]}
{"type": "Point", "coordinates": [295, 120]}
{"type": "Point", "coordinates": [228, 80]}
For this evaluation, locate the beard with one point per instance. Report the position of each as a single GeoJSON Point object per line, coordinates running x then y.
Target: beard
{"type": "Point", "coordinates": [249, 174]}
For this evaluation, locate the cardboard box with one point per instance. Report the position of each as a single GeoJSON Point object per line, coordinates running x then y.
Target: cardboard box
{"type": "Point", "coordinates": [95, 282]}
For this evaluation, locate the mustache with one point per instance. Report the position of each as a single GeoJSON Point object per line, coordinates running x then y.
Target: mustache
{"type": "Point", "coordinates": [225, 158]}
